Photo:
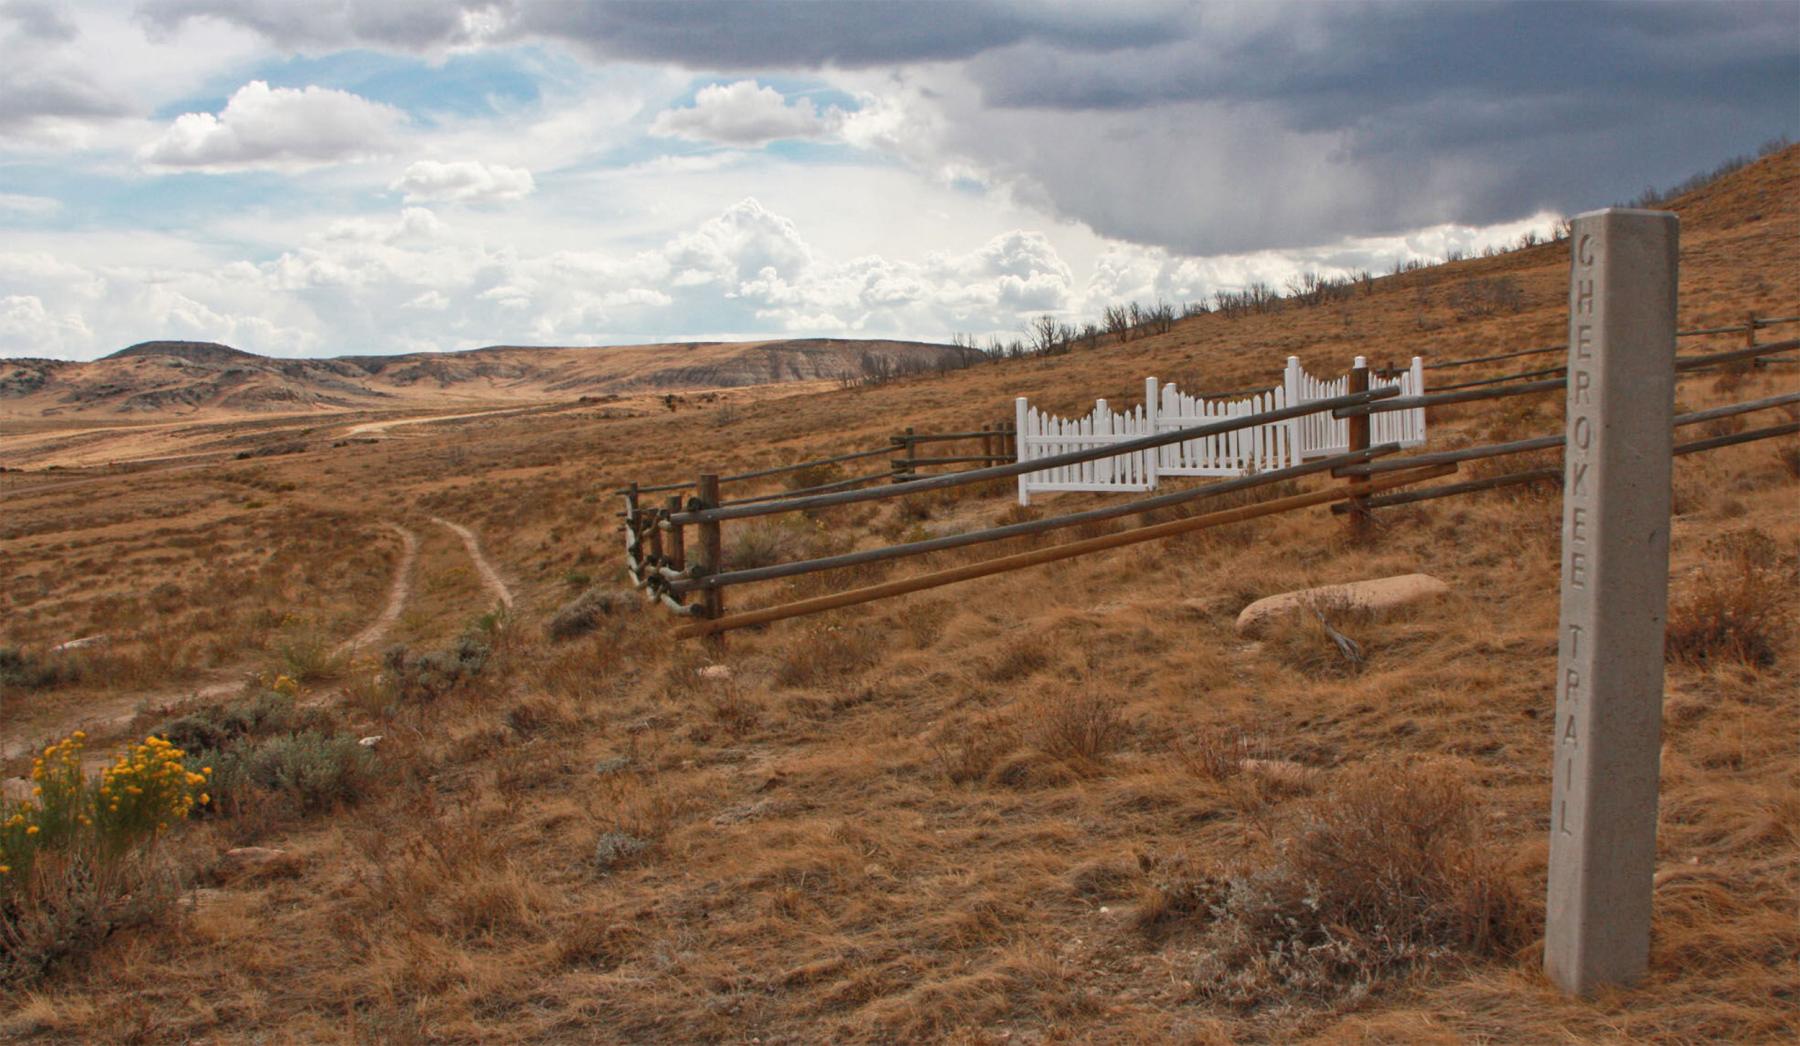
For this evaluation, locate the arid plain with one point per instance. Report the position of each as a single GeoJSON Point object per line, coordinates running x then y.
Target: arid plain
{"type": "Point", "coordinates": [1062, 804]}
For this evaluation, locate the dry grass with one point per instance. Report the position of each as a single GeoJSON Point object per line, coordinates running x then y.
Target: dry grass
{"type": "Point", "coordinates": [915, 819]}
{"type": "Point", "coordinates": [1738, 608]}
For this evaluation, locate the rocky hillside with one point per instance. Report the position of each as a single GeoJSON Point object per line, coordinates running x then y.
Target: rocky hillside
{"type": "Point", "coordinates": [181, 378]}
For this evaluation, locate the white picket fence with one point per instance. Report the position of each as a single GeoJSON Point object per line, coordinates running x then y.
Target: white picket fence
{"type": "Point", "coordinates": [1041, 435]}
{"type": "Point", "coordinates": [1321, 435]}
{"type": "Point", "coordinates": [1259, 448]}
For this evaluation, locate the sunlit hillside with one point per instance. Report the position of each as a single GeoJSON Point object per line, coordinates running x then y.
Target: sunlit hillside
{"type": "Point", "coordinates": [1068, 803]}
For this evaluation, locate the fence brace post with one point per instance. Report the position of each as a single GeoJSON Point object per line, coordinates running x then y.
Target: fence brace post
{"type": "Point", "coordinates": [1359, 440]}
{"type": "Point", "coordinates": [711, 555]}
{"type": "Point", "coordinates": [677, 544]}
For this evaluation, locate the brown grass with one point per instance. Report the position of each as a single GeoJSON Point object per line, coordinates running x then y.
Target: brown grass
{"type": "Point", "coordinates": [940, 816]}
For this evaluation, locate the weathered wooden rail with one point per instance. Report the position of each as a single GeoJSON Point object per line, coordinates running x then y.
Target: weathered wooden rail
{"type": "Point", "coordinates": [689, 575]}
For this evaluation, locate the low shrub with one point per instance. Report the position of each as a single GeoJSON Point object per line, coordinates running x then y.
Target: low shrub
{"type": "Point", "coordinates": [1079, 727]}
{"type": "Point", "coordinates": [968, 752]}
{"type": "Point", "coordinates": [77, 860]}
{"type": "Point", "coordinates": [427, 677]}
{"type": "Point", "coordinates": [582, 615]}
{"type": "Point", "coordinates": [1390, 868]}
{"type": "Point", "coordinates": [1737, 610]}
{"type": "Point", "coordinates": [23, 670]}
{"type": "Point", "coordinates": [312, 770]}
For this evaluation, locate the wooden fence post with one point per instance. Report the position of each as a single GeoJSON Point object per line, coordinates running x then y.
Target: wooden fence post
{"type": "Point", "coordinates": [711, 553]}
{"type": "Point", "coordinates": [1359, 440]}
{"type": "Point", "coordinates": [677, 545]}
{"type": "Point", "coordinates": [912, 451]}
{"type": "Point", "coordinates": [634, 556]}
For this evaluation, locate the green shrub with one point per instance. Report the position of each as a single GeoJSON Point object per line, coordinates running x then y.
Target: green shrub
{"type": "Point", "coordinates": [427, 677]}
{"type": "Point", "coordinates": [307, 772]}
{"type": "Point", "coordinates": [22, 670]}
{"type": "Point", "coordinates": [582, 614]}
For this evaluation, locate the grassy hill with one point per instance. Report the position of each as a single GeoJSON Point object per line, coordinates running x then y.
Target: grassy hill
{"type": "Point", "coordinates": [1062, 804]}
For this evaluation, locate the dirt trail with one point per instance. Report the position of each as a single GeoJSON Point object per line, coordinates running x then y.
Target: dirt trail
{"type": "Point", "coordinates": [367, 427]}
{"type": "Point", "coordinates": [489, 576]}
{"type": "Point", "coordinates": [398, 594]}
{"type": "Point", "coordinates": [114, 712]}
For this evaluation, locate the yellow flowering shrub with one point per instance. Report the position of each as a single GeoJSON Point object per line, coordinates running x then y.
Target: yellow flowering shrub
{"type": "Point", "coordinates": [146, 791]}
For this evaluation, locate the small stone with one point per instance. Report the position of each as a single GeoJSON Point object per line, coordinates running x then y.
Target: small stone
{"type": "Point", "coordinates": [617, 764]}
{"type": "Point", "coordinates": [1375, 594]}
{"type": "Point", "coordinates": [371, 741]}
{"type": "Point", "coordinates": [17, 789]}
{"type": "Point", "coordinates": [204, 897]}
{"type": "Point", "coordinates": [246, 861]}
{"type": "Point", "coordinates": [77, 644]}
{"type": "Point", "coordinates": [716, 672]}
{"type": "Point", "coordinates": [614, 848]}
{"type": "Point", "coordinates": [1279, 773]}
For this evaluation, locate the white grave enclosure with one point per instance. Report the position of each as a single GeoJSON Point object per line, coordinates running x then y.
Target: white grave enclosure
{"type": "Point", "coordinates": [1615, 574]}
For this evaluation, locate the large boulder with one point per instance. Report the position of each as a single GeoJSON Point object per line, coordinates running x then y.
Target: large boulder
{"type": "Point", "coordinates": [1376, 594]}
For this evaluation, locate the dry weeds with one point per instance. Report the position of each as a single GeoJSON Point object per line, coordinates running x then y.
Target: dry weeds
{"type": "Point", "coordinates": [915, 819]}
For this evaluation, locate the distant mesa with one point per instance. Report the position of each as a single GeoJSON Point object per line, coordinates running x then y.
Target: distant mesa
{"type": "Point", "coordinates": [198, 351]}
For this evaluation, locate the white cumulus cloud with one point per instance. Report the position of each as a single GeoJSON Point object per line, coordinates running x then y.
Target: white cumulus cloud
{"type": "Point", "coordinates": [745, 113]}
{"type": "Point", "coordinates": [280, 127]}
{"type": "Point", "coordinates": [463, 181]}
{"type": "Point", "coordinates": [29, 206]}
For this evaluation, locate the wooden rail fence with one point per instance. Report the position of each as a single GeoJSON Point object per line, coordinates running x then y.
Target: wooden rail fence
{"type": "Point", "coordinates": [690, 575]}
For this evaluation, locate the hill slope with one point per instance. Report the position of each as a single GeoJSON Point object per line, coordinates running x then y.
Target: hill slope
{"type": "Point", "coordinates": [186, 378]}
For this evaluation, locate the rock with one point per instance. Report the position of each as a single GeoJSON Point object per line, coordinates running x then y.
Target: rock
{"type": "Point", "coordinates": [77, 644]}
{"type": "Point", "coordinates": [1377, 594]}
{"type": "Point", "coordinates": [17, 789]}
{"type": "Point", "coordinates": [582, 614]}
{"type": "Point", "coordinates": [249, 861]}
{"type": "Point", "coordinates": [371, 741]}
{"type": "Point", "coordinates": [617, 764]}
{"type": "Point", "coordinates": [1280, 774]}
{"type": "Point", "coordinates": [204, 897]}
{"type": "Point", "coordinates": [716, 672]}
{"type": "Point", "coordinates": [614, 848]}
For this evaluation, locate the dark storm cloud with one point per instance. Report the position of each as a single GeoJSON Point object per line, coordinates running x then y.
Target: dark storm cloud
{"type": "Point", "coordinates": [702, 34]}
{"type": "Point", "coordinates": [1217, 127]}
{"type": "Point", "coordinates": [400, 24]}
{"type": "Point", "coordinates": [732, 35]}
{"type": "Point", "coordinates": [37, 21]}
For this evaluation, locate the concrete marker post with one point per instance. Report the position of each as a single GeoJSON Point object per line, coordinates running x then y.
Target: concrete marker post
{"type": "Point", "coordinates": [1615, 577]}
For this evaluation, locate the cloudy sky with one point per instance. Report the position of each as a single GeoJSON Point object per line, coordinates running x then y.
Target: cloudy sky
{"type": "Point", "coordinates": [320, 177]}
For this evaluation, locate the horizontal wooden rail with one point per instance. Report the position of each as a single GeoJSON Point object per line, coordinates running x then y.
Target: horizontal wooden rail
{"type": "Point", "coordinates": [955, 479]}
{"type": "Point", "coordinates": [936, 437]}
{"type": "Point", "coordinates": [1740, 328]}
{"type": "Point", "coordinates": [1443, 457]}
{"type": "Point", "coordinates": [1451, 489]}
{"type": "Point", "coordinates": [1535, 475]}
{"type": "Point", "coordinates": [1749, 436]}
{"type": "Point", "coordinates": [1026, 529]}
{"type": "Point", "coordinates": [761, 473]}
{"type": "Point", "coordinates": [1035, 557]}
{"type": "Point", "coordinates": [964, 459]}
{"type": "Point", "coordinates": [1441, 399]}
{"type": "Point", "coordinates": [1690, 362]}
{"type": "Point", "coordinates": [1444, 364]}
{"type": "Point", "coordinates": [1729, 409]}
{"type": "Point", "coordinates": [1503, 379]}
{"type": "Point", "coordinates": [1438, 399]}
{"type": "Point", "coordinates": [840, 484]}
{"type": "Point", "coordinates": [1551, 442]}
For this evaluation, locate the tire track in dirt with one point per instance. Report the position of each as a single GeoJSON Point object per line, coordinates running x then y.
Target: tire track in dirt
{"type": "Point", "coordinates": [114, 713]}
{"type": "Point", "coordinates": [398, 594]}
{"type": "Point", "coordinates": [489, 576]}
